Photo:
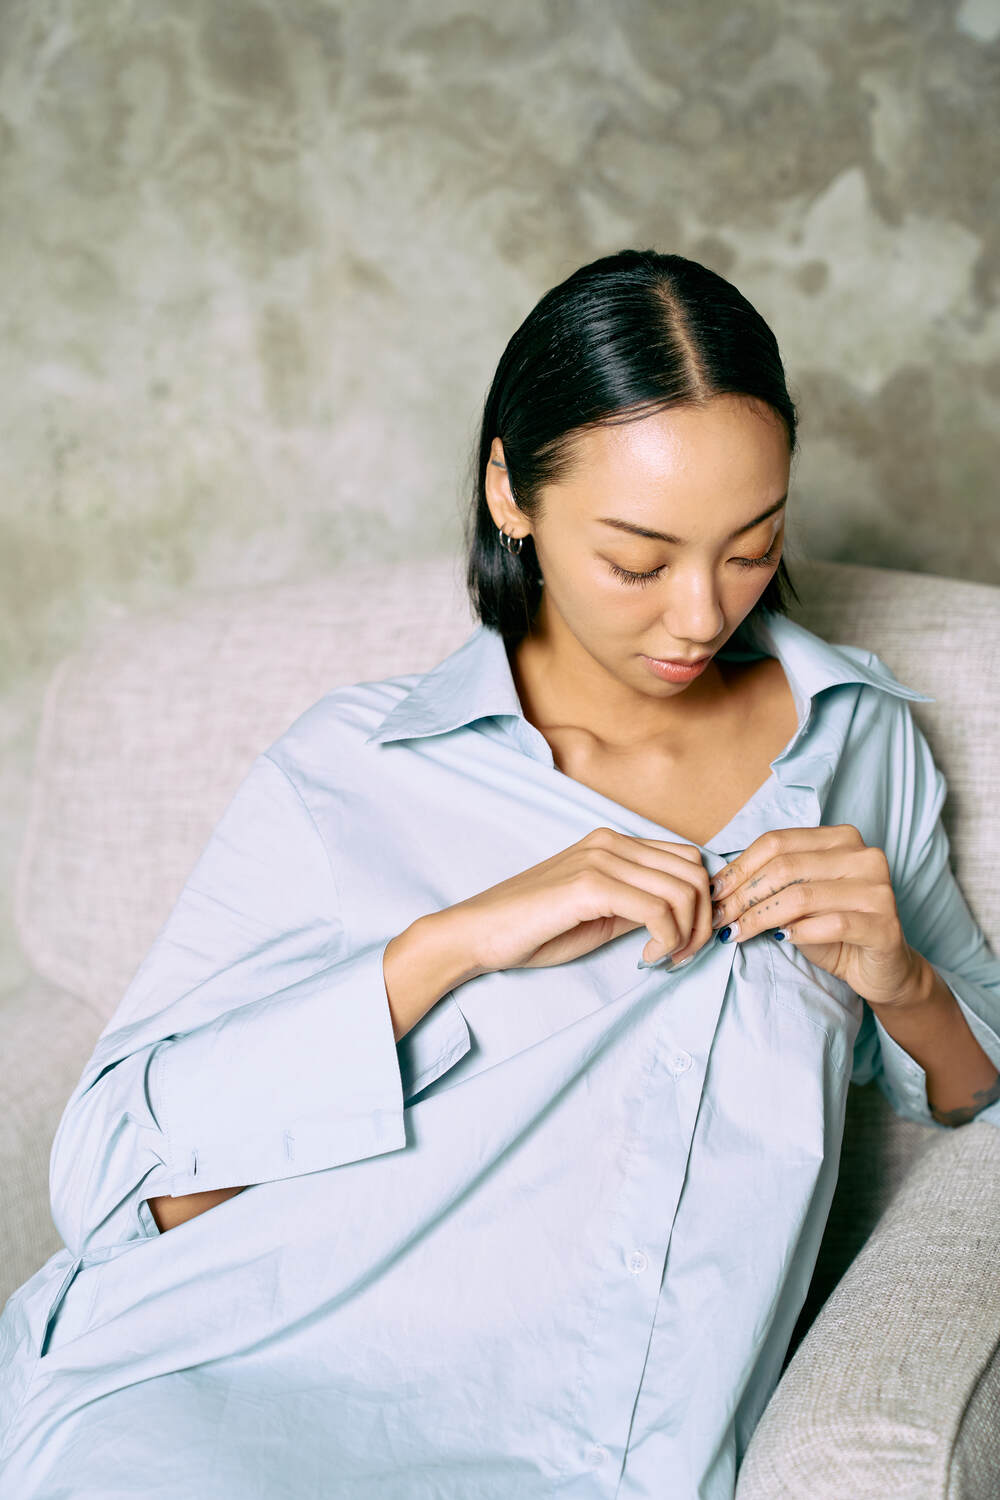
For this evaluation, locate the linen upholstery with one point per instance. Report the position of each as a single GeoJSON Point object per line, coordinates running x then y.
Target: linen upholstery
{"type": "Point", "coordinates": [148, 729]}
{"type": "Point", "coordinates": [46, 1036]}
{"type": "Point", "coordinates": [974, 1470]}
{"type": "Point", "coordinates": [150, 726]}
{"type": "Point", "coordinates": [895, 1388]}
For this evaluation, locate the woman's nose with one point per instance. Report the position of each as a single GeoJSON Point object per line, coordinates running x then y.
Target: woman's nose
{"type": "Point", "coordinates": [694, 615]}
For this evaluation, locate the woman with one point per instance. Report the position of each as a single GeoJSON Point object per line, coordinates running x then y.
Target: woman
{"type": "Point", "coordinates": [470, 1129]}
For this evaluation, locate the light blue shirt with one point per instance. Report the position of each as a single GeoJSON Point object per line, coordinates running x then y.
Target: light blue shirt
{"type": "Point", "coordinates": [552, 1241]}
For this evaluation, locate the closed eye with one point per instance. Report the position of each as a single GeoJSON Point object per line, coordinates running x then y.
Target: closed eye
{"type": "Point", "coordinates": [627, 576]}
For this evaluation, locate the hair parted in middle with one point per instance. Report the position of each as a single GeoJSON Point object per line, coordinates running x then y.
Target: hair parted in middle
{"type": "Point", "coordinates": [622, 337]}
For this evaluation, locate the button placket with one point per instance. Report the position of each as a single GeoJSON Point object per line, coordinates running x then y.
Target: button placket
{"type": "Point", "coordinates": [657, 1147]}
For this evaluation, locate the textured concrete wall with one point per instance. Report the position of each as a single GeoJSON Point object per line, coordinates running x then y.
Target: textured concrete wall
{"type": "Point", "coordinates": [259, 259]}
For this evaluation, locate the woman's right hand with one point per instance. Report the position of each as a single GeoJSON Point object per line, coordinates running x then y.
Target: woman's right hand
{"type": "Point", "coordinates": [605, 884]}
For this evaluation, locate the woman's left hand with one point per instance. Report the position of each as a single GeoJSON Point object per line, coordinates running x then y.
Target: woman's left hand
{"type": "Point", "coordinates": [830, 894]}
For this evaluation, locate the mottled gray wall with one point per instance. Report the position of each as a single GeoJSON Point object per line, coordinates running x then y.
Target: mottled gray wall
{"type": "Point", "coordinates": [259, 259]}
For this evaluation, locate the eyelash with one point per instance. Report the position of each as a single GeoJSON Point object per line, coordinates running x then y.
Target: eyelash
{"type": "Point", "coordinates": [641, 578]}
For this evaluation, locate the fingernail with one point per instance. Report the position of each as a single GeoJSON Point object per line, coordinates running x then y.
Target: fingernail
{"type": "Point", "coordinates": [714, 887]}
{"type": "Point", "coordinates": [663, 963]}
{"type": "Point", "coordinates": [717, 916]}
{"type": "Point", "coordinates": [726, 933]}
{"type": "Point", "coordinates": [780, 935]}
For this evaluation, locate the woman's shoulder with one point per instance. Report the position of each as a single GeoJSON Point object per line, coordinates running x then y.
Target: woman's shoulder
{"type": "Point", "coordinates": [334, 731]}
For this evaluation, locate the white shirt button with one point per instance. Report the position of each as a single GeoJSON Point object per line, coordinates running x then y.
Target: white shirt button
{"type": "Point", "coordinates": [596, 1455]}
{"type": "Point", "coordinates": [637, 1262]}
{"type": "Point", "coordinates": [680, 1062]}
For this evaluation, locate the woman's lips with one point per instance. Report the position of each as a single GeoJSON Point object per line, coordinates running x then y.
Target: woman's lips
{"type": "Point", "coordinates": [672, 671]}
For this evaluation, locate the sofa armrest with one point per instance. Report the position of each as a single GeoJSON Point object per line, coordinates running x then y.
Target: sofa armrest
{"type": "Point", "coordinates": [975, 1464]}
{"type": "Point", "coordinates": [895, 1388]}
{"type": "Point", "coordinates": [46, 1037]}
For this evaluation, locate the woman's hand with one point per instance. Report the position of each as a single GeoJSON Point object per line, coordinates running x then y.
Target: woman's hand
{"type": "Point", "coordinates": [829, 893]}
{"type": "Point", "coordinates": [605, 884]}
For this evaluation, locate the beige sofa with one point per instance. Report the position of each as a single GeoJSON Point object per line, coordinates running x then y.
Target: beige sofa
{"type": "Point", "coordinates": [893, 1382]}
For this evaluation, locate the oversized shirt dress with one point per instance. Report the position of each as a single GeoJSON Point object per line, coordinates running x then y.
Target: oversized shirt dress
{"type": "Point", "coordinates": [553, 1241]}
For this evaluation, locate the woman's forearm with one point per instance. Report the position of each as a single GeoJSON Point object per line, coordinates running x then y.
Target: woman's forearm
{"type": "Point", "coordinates": [961, 1079]}
{"type": "Point", "coordinates": [423, 963]}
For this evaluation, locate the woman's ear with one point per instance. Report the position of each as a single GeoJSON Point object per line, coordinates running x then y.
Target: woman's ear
{"type": "Point", "coordinates": [499, 496]}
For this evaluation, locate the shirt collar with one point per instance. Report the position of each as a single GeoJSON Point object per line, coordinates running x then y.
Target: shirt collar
{"type": "Point", "coordinates": [475, 681]}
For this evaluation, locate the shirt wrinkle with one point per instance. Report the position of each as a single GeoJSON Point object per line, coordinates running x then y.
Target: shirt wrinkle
{"type": "Point", "coordinates": [556, 1238]}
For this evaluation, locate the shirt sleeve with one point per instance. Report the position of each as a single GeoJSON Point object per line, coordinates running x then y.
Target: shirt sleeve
{"type": "Point", "coordinates": [250, 1045]}
{"type": "Point", "coordinates": [936, 921]}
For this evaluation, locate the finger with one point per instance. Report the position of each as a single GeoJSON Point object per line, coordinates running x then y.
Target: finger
{"type": "Point", "coordinates": [681, 860]}
{"type": "Point", "coordinates": [689, 853]}
{"type": "Point", "coordinates": [702, 928]}
{"type": "Point", "coordinates": [607, 896]}
{"type": "Point", "coordinates": [847, 899]}
{"type": "Point", "coordinates": [693, 876]}
{"type": "Point", "coordinates": [794, 867]}
{"type": "Point", "coordinates": [678, 893]}
{"type": "Point", "coordinates": [780, 841]}
{"type": "Point", "coordinates": [866, 930]}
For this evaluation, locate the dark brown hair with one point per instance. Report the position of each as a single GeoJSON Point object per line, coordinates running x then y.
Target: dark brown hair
{"type": "Point", "coordinates": [624, 336]}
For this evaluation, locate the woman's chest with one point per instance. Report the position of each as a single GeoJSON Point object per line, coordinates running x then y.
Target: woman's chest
{"type": "Point", "coordinates": [697, 792]}
{"type": "Point", "coordinates": [694, 799]}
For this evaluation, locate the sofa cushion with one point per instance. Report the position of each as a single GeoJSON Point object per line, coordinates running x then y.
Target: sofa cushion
{"type": "Point", "coordinates": [975, 1462]}
{"type": "Point", "coordinates": [149, 728]}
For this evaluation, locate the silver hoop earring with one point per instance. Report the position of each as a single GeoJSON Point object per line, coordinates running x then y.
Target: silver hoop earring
{"type": "Point", "coordinates": [506, 540]}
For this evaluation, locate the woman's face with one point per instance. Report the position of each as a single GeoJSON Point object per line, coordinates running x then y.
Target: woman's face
{"type": "Point", "coordinates": [705, 477]}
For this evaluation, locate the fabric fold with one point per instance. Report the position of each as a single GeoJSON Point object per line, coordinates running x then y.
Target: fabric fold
{"type": "Point", "coordinates": [250, 965]}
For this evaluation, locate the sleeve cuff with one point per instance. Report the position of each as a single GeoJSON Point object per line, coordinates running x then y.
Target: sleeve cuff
{"type": "Point", "coordinates": [904, 1081]}
{"type": "Point", "coordinates": [299, 1081]}
{"type": "Point", "coordinates": [430, 1047]}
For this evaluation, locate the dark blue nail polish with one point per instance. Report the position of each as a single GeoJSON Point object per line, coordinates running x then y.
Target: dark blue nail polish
{"type": "Point", "coordinates": [779, 935]}
{"type": "Point", "coordinates": [723, 934]}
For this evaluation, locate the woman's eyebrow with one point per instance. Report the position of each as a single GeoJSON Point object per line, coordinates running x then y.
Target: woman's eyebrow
{"type": "Point", "coordinates": [664, 536]}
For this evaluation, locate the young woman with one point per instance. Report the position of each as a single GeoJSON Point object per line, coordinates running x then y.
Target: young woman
{"type": "Point", "coordinates": [470, 1129]}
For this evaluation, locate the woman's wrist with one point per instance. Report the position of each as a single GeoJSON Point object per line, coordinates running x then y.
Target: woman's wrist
{"type": "Point", "coordinates": [423, 962]}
